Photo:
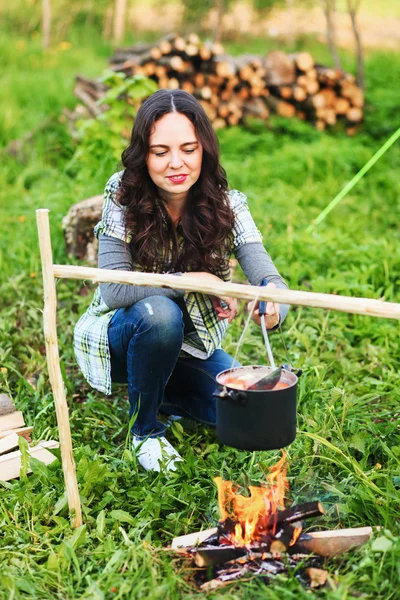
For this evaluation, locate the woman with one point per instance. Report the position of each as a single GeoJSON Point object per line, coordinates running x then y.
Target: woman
{"type": "Point", "coordinates": [169, 211]}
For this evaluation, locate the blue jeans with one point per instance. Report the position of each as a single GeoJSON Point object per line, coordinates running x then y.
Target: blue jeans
{"type": "Point", "coordinates": [145, 342]}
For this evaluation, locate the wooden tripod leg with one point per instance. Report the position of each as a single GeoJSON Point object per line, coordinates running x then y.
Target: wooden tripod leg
{"type": "Point", "coordinates": [53, 363]}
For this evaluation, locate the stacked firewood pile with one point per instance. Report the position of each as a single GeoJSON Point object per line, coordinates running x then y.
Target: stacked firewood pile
{"type": "Point", "coordinates": [12, 426]}
{"type": "Point", "coordinates": [232, 88]}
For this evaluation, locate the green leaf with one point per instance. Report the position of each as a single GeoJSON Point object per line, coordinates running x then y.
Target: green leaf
{"type": "Point", "coordinates": [60, 504]}
{"type": "Point", "coordinates": [116, 560]}
{"type": "Point", "coordinates": [357, 441]}
{"type": "Point", "coordinates": [122, 516]}
{"type": "Point", "coordinates": [100, 524]}
{"type": "Point", "coordinates": [381, 544]}
{"type": "Point", "coordinates": [24, 449]}
{"type": "Point", "coordinates": [38, 467]}
{"type": "Point", "coordinates": [53, 562]}
{"type": "Point", "coordinates": [78, 537]}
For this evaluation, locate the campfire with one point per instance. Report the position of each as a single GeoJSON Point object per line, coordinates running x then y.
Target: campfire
{"type": "Point", "coordinates": [257, 535]}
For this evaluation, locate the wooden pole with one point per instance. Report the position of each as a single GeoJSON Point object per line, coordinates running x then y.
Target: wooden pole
{"type": "Point", "coordinates": [53, 362]}
{"type": "Point", "coordinates": [360, 306]}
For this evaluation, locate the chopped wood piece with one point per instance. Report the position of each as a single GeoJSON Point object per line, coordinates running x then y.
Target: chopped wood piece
{"type": "Point", "coordinates": [12, 420]}
{"type": "Point", "coordinates": [332, 543]}
{"type": "Point", "coordinates": [217, 555]}
{"type": "Point", "coordinates": [280, 69]}
{"type": "Point", "coordinates": [255, 107]}
{"type": "Point", "coordinates": [318, 577]}
{"type": "Point", "coordinates": [280, 107]}
{"type": "Point", "coordinates": [23, 431]}
{"type": "Point", "coordinates": [304, 61]}
{"type": "Point", "coordinates": [342, 105]}
{"type": "Point", "coordinates": [191, 539]}
{"type": "Point", "coordinates": [10, 464]}
{"type": "Point", "coordinates": [354, 114]}
{"type": "Point", "coordinates": [295, 513]}
{"type": "Point", "coordinates": [299, 93]}
{"type": "Point", "coordinates": [9, 443]}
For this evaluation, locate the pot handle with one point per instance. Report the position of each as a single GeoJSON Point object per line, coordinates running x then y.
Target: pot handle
{"type": "Point", "coordinates": [288, 367]}
{"type": "Point", "coordinates": [238, 397]}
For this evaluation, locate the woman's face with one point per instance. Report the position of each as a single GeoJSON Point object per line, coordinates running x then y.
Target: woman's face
{"type": "Point", "coordinates": [175, 156]}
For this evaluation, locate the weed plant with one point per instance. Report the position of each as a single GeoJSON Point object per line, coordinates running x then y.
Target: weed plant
{"type": "Point", "coordinates": [347, 450]}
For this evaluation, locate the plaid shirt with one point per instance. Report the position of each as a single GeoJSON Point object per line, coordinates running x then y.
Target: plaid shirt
{"type": "Point", "coordinates": [91, 332]}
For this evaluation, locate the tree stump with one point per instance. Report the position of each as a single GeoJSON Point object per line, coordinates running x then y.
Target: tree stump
{"type": "Point", "coordinates": [78, 226]}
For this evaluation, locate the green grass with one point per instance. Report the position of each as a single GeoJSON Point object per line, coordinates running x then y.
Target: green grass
{"type": "Point", "coordinates": [347, 451]}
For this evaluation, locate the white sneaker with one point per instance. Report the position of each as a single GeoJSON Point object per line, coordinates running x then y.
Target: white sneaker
{"type": "Point", "coordinates": [154, 453]}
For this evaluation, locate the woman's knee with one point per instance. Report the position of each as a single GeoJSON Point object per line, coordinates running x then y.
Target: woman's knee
{"type": "Point", "coordinates": [160, 318]}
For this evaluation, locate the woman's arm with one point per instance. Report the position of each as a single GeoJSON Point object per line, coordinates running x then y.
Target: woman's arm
{"type": "Point", "coordinates": [114, 255]}
{"type": "Point", "coordinates": [257, 265]}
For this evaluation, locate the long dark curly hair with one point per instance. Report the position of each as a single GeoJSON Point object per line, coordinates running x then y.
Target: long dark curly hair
{"type": "Point", "coordinates": [207, 220]}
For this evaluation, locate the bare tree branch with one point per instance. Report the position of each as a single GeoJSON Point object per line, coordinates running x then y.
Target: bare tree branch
{"type": "Point", "coordinates": [353, 6]}
{"type": "Point", "coordinates": [328, 7]}
{"type": "Point", "coordinates": [46, 23]}
{"type": "Point", "coordinates": [219, 5]}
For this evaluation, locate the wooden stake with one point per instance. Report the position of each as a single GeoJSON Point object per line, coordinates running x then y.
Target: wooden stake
{"type": "Point", "coordinates": [53, 362]}
{"type": "Point", "coordinates": [359, 306]}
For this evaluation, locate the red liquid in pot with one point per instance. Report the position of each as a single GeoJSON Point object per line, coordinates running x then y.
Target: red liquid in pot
{"type": "Point", "coordinates": [242, 382]}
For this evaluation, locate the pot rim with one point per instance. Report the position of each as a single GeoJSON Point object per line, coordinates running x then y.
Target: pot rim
{"type": "Point", "coordinates": [289, 377]}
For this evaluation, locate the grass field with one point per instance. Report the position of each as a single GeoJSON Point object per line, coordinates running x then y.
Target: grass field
{"type": "Point", "coordinates": [347, 451]}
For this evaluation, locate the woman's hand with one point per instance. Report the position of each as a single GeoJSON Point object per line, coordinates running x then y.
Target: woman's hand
{"type": "Point", "coordinates": [228, 312]}
{"type": "Point", "coordinates": [272, 314]}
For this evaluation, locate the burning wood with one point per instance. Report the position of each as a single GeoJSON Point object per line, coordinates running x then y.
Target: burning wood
{"type": "Point", "coordinates": [256, 530]}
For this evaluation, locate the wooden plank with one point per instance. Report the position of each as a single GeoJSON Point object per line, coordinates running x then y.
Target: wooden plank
{"type": "Point", "coordinates": [8, 443]}
{"type": "Point", "coordinates": [11, 421]}
{"type": "Point", "coordinates": [10, 464]}
{"type": "Point", "coordinates": [23, 431]}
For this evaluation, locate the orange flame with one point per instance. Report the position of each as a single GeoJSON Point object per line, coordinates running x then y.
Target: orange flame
{"type": "Point", "coordinates": [250, 513]}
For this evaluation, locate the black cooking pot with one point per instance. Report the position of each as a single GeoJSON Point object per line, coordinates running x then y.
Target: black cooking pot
{"type": "Point", "coordinates": [256, 419]}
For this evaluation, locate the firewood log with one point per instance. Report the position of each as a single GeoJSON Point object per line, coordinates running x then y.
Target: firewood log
{"type": "Point", "coordinates": [255, 107]}
{"type": "Point", "coordinates": [193, 38]}
{"type": "Point", "coordinates": [332, 543]}
{"type": "Point", "coordinates": [217, 555]}
{"type": "Point", "coordinates": [303, 61]}
{"type": "Point", "coordinates": [308, 83]}
{"type": "Point", "coordinates": [299, 93]}
{"type": "Point", "coordinates": [219, 123]}
{"type": "Point", "coordinates": [330, 97]}
{"type": "Point", "coordinates": [342, 105]}
{"type": "Point", "coordinates": [353, 93]}
{"type": "Point", "coordinates": [280, 107]}
{"type": "Point", "coordinates": [327, 75]}
{"type": "Point", "coordinates": [280, 69]}
{"type": "Point", "coordinates": [233, 119]}
{"type": "Point", "coordinates": [188, 86]}
{"type": "Point", "coordinates": [210, 110]}
{"type": "Point", "coordinates": [173, 63]}
{"type": "Point", "coordinates": [354, 114]}
{"type": "Point", "coordinates": [179, 43]}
